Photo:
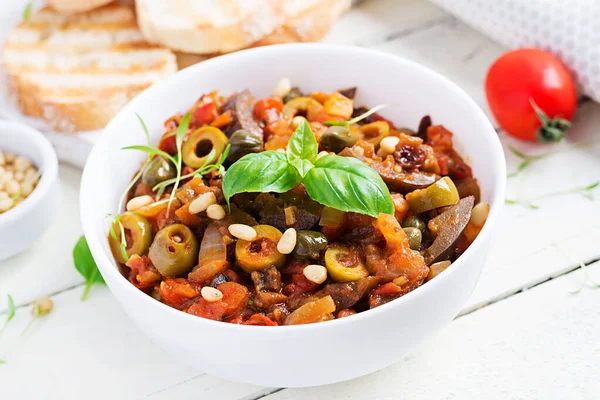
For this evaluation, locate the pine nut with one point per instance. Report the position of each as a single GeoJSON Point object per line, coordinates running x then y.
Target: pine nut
{"type": "Point", "coordinates": [44, 305]}
{"type": "Point", "coordinates": [388, 144]}
{"type": "Point", "coordinates": [12, 187]}
{"type": "Point", "coordinates": [26, 189]}
{"type": "Point", "coordinates": [398, 168]}
{"type": "Point", "coordinates": [215, 211]}
{"type": "Point", "coordinates": [139, 202]}
{"type": "Point", "coordinates": [21, 163]}
{"type": "Point", "coordinates": [3, 195]}
{"type": "Point", "coordinates": [359, 151]}
{"type": "Point", "coordinates": [315, 273]}
{"type": "Point", "coordinates": [30, 174]}
{"type": "Point", "coordinates": [19, 176]}
{"type": "Point", "coordinates": [2, 158]}
{"type": "Point", "coordinates": [322, 154]}
{"type": "Point", "coordinates": [211, 294]}
{"type": "Point", "coordinates": [283, 88]}
{"type": "Point", "coordinates": [297, 120]}
{"type": "Point", "coordinates": [281, 150]}
{"type": "Point", "coordinates": [9, 157]}
{"type": "Point", "coordinates": [287, 243]}
{"type": "Point", "coordinates": [242, 231]}
{"type": "Point", "coordinates": [6, 204]}
{"type": "Point", "coordinates": [479, 214]}
{"type": "Point", "coordinates": [202, 202]}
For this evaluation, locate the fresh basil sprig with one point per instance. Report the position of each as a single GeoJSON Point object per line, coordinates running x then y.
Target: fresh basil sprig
{"type": "Point", "coordinates": [343, 183]}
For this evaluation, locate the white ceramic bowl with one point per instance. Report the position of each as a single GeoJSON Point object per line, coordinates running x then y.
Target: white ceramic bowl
{"type": "Point", "coordinates": [320, 353]}
{"type": "Point", "coordinates": [22, 225]}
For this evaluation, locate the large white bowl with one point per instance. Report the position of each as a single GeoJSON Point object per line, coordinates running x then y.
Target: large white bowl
{"type": "Point", "coordinates": [314, 354]}
{"type": "Point", "coordinates": [24, 224]}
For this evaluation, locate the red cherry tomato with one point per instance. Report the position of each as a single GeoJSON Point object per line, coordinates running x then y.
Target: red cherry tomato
{"type": "Point", "coordinates": [531, 94]}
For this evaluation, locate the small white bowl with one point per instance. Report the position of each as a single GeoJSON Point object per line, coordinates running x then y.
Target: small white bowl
{"type": "Point", "coordinates": [25, 223]}
{"type": "Point", "coordinates": [313, 354]}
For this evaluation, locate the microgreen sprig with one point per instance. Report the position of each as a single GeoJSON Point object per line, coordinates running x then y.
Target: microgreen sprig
{"type": "Point", "coordinates": [10, 313]}
{"type": "Point", "coordinates": [526, 160]}
{"type": "Point", "coordinates": [123, 240]}
{"type": "Point", "coordinates": [359, 118]}
{"type": "Point", "coordinates": [586, 191]}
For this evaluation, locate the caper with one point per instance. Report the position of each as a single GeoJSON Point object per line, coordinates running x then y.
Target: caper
{"type": "Point", "coordinates": [414, 237]}
{"type": "Point", "coordinates": [174, 251]}
{"type": "Point", "coordinates": [244, 142]}
{"type": "Point", "coordinates": [413, 221]}
{"type": "Point", "coordinates": [337, 138]}
{"type": "Point", "coordinates": [159, 170]}
{"type": "Point", "coordinates": [309, 245]}
{"type": "Point", "coordinates": [138, 233]}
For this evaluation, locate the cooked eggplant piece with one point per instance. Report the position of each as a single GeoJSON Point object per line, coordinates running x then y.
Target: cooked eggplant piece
{"type": "Point", "coordinates": [349, 93]}
{"type": "Point", "coordinates": [451, 224]}
{"type": "Point", "coordinates": [347, 294]}
{"type": "Point", "coordinates": [423, 126]}
{"type": "Point", "coordinates": [404, 182]}
{"type": "Point", "coordinates": [468, 187]}
{"type": "Point", "coordinates": [244, 107]}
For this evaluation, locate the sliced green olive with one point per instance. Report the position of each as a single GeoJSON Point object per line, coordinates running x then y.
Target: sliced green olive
{"type": "Point", "coordinates": [301, 105]}
{"type": "Point", "coordinates": [375, 131]}
{"type": "Point", "coordinates": [158, 170]}
{"type": "Point", "coordinates": [337, 138]}
{"type": "Point", "coordinates": [414, 237]}
{"type": "Point", "coordinates": [244, 142]}
{"type": "Point", "coordinates": [344, 264]}
{"type": "Point", "coordinates": [412, 221]}
{"type": "Point", "coordinates": [309, 245]}
{"type": "Point", "coordinates": [442, 193]}
{"type": "Point", "coordinates": [138, 234]}
{"type": "Point", "coordinates": [198, 145]}
{"type": "Point", "coordinates": [174, 251]}
{"type": "Point", "coordinates": [260, 253]}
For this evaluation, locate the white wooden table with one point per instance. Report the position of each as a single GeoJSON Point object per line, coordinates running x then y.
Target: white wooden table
{"type": "Point", "coordinates": [522, 335]}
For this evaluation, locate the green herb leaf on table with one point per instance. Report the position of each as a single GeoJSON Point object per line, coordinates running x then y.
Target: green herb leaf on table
{"type": "Point", "coordinates": [347, 184]}
{"type": "Point", "coordinates": [268, 171]}
{"type": "Point", "coordinates": [2, 361]}
{"type": "Point", "coordinates": [85, 264]}
{"type": "Point", "coordinates": [10, 312]}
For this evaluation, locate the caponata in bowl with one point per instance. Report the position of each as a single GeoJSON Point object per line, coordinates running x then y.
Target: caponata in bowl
{"type": "Point", "coordinates": [293, 209]}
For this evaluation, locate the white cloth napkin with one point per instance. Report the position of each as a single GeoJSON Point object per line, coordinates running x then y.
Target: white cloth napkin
{"type": "Point", "coordinates": [568, 28]}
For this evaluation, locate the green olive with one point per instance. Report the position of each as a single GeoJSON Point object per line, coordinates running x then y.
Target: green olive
{"type": "Point", "coordinates": [260, 253]}
{"type": "Point", "coordinates": [413, 221]}
{"type": "Point", "coordinates": [309, 245]}
{"type": "Point", "coordinates": [440, 194]}
{"type": "Point", "coordinates": [159, 170]}
{"type": "Point", "coordinates": [198, 145]}
{"type": "Point", "coordinates": [337, 138]}
{"type": "Point", "coordinates": [375, 131]}
{"type": "Point", "coordinates": [344, 264]}
{"type": "Point", "coordinates": [414, 236]}
{"type": "Point", "coordinates": [244, 142]}
{"type": "Point", "coordinates": [138, 234]}
{"type": "Point", "coordinates": [174, 251]}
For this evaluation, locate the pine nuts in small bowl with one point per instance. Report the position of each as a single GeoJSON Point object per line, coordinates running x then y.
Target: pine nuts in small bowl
{"type": "Point", "coordinates": [29, 189]}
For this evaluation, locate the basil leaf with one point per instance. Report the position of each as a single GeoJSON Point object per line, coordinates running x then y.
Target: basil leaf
{"type": "Point", "coordinates": [85, 264]}
{"type": "Point", "coordinates": [347, 184]}
{"type": "Point", "coordinates": [302, 144]}
{"type": "Point", "coordinates": [303, 166]}
{"type": "Point", "coordinates": [268, 171]}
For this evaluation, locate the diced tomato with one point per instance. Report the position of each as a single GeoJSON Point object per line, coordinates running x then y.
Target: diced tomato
{"type": "Point", "coordinates": [143, 274]}
{"type": "Point", "coordinates": [262, 108]}
{"type": "Point", "coordinates": [460, 169]}
{"type": "Point", "coordinates": [204, 114]}
{"type": "Point", "coordinates": [177, 292]}
{"type": "Point", "coordinates": [300, 285]}
{"type": "Point", "coordinates": [439, 137]}
{"type": "Point", "coordinates": [222, 120]}
{"type": "Point", "coordinates": [235, 297]}
{"type": "Point", "coordinates": [260, 320]}
{"type": "Point", "coordinates": [443, 163]}
{"type": "Point", "coordinates": [168, 144]}
{"type": "Point", "coordinates": [386, 289]}
{"type": "Point", "coordinates": [186, 217]}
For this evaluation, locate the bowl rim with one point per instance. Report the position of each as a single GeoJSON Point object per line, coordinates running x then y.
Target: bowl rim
{"type": "Point", "coordinates": [48, 167]}
{"type": "Point", "coordinates": [106, 263]}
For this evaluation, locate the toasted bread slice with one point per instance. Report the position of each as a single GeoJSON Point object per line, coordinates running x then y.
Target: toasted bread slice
{"type": "Point", "coordinates": [76, 6]}
{"type": "Point", "coordinates": [306, 21]}
{"type": "Point", "coordinates": [76, 71]}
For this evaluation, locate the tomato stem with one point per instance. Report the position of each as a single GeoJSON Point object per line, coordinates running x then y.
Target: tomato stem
{"type": "Point", "coordinates": [552, 129]}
